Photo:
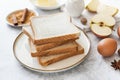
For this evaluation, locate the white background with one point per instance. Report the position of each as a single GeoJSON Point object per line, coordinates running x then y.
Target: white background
{"type": "Point", "coordinates": [94, 67]}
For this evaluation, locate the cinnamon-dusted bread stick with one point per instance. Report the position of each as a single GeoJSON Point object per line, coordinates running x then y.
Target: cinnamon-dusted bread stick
{"type": "Point", "coordinates": [14, 19]}
{"type": "Point", "coordinates": [25, 11]}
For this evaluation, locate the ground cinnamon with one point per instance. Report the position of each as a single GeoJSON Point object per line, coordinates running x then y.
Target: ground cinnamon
{"type": "Point", "coordinates": [17, 16]}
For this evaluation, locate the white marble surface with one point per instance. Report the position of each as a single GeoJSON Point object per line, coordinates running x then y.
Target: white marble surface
{"type": "Point", "coordinates": [93, 68]}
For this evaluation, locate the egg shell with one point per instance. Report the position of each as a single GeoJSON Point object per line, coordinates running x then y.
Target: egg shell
{"type": "Point", "coordinates": [107, 47]}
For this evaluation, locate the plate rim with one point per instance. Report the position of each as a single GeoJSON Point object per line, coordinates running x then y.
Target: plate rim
{"type": "Point", "coordinates": [50, 71]}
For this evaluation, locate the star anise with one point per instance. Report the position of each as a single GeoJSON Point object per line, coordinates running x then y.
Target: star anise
{"type": "Point", "coordinates": [116, 64]}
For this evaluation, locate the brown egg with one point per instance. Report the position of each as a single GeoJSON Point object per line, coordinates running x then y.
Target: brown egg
{"type": "Point", "coordinates": [118, 31]}
{"type": "Point", "coordinates": [107, 47]}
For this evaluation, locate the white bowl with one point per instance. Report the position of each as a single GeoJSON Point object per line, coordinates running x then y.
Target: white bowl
{"type": "Point", "coordinates": [60, 3]}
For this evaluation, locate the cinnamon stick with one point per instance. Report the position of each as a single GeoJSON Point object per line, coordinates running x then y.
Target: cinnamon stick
{"type": "Point", "coordinates": [14, 19]}
{"type": "Point", "coordinates": [25, 11]}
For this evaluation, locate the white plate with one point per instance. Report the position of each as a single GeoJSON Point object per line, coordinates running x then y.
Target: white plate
{"type": "Point", "coordinates": [17, 26]}
{"type": "Point", "coordinates": [22, 53]}
{"type": "Point", "coordinates": [59, 4]}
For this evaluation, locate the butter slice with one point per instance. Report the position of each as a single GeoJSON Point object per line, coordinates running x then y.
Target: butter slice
{"type": "Point", "coordinates": [47, 3]}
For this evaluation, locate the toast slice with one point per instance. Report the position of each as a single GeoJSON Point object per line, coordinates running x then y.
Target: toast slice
{"type": "Point", "coordinates": [53, 28]}
{"type": "Point", "coordinates": [69, 46]}
{"type": "Point", "coordinates": [47, 60]}
{"type": "Point", "coordinates": [28, 31]}
{"type": "Point", "coordinates": [44, 47]}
